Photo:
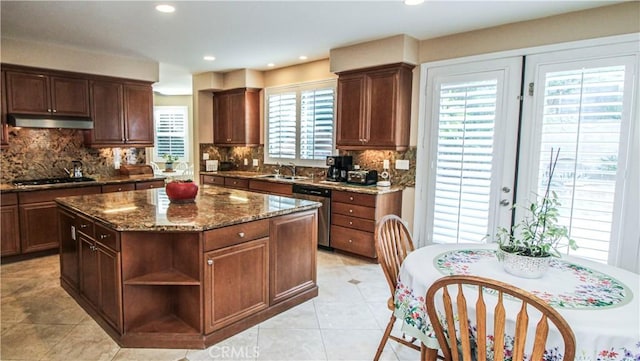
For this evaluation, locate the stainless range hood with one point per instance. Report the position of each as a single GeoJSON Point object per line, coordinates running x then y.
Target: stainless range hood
{"type": "Point", "coordinates": [31, 121]}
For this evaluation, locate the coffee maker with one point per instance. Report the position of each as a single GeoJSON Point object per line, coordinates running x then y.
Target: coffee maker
{"type": "Point", "coordinates": [338, 167]}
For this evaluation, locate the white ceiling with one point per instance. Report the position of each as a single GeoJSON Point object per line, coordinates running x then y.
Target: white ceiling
{"type": "Point", "coordinates": [251, 34]}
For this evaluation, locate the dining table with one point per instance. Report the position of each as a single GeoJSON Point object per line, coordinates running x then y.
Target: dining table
{"type": "Point", "coordinates": [599, 302]}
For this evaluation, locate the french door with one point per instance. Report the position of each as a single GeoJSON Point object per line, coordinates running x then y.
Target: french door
{"type": "Point", "coordinates": [474, 111]}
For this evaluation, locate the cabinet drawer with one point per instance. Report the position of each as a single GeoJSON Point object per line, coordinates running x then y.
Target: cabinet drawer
{"type": "Point", "coordinates": [366, 225]}
{"type": "Point", "coordinates": [107, 237]}
{"type": "Point", "coordinates": [270, 187]}
{"type": "Point", "coordinates": [236, 183]}
{"type": "Point", "coordinates": [9, 199]}
{"type": "Point", "coordinates": [353, 210]}
{"type": "Point", "coordinates": [227, 236]}
{"type": "Point", "coordinates": [85, 225]}
{"type": "Point", "coordinates": [51, 194]}
{"type": "Point", "coordinates": [353, 241]}
{"type": "Point", "coordinates": [150, 184]}
{"type": "Point", "coordinates": [118, 187]}
{"type": "Point", "coordinates": [367, 200]}
{"type": "Point", "coordinates": [213, 179]}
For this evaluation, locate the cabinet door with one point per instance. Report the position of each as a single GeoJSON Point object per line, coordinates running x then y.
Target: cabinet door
{"type": "Point", "coordinates": [109, 278]}
{"type": "Point", "coordinates": [27, 93]}
{"type": "Point", "coordinates": [294, 242]}
{"type": "Point", "coordinates": [38, 226]}
{"type": "Point", "coordinates": [351, 103]}
{"type": "Point", "coordinates": [236, 283]}
{"type": "Point", "coordinates": [236, 118]}
{"type": "Point", "coordinates": [382, 88]}
{"type": "Point", "coordinates": [138, 114]}
{"type": "Point", "coordinates": [221, 119]}
{"type": "Point", "coordinates": [9, 231]}
{"type": "Point", "coordinates": [107, 113]}
{"type": "Point", "coordinates": [4, 136]}
{"type": "Point", "coordinates": [69, 96]}
{"type": "Point", "coordinates": [89, 277]}
{"type": "Point", "coordinates": [69, 256]}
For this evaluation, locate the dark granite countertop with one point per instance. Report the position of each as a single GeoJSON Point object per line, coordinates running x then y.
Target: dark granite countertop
{"type": "Point", "coordinates": [371, 189]}
{"type": "Point", "coordinates": [214, 207]}
{"type": "Point", "coordinates": [8, 188]}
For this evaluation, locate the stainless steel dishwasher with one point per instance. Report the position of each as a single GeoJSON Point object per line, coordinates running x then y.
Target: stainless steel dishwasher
{"type": "Point", "coordinates": [322, 195]}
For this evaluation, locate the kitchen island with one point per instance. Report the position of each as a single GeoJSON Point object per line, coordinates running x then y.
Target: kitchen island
{"type": "Point", "coordinates": [157, 274]}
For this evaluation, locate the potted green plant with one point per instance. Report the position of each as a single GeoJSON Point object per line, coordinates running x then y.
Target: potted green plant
{"type": "Point", "coordinates": [168, 161]}
{"type": "Point", "coordinates": [527, 248]}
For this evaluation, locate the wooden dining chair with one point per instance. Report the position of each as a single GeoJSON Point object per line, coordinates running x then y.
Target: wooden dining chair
{"type": "Point", "coordinates": [462, 346]}
{"type": "Point", "coordinates": [393, 243]}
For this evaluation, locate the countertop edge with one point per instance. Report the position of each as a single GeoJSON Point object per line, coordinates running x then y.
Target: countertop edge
{"type": "Point", "coordinates": [10, 188]}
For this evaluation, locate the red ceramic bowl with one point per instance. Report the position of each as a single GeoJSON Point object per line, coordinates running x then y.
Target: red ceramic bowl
{"type": "Point", "coordinates": [181, 192]}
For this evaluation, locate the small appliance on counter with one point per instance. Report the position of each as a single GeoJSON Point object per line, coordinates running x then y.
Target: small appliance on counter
{"type": "Point", "coordinates": [225, 166]}
{"type": "Point", "coordinates": [338, 167]}
{"type": "Point", "coordinates": [362, 177]}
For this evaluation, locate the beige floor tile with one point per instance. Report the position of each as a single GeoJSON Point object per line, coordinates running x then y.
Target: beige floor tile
{"type": "Point", "coordinates": [281, 345]}
{"type": "Point", "coordinates": [243, 346]}
{"type": "Point", "coordinates": [84, 342]}
{"type": "Point", "coordinates": [355, 346]}
{"type": "Point", "coordinates": [345, 316]}
{"type": "Point", "coordinates": [53, 307]}
{"type": "Point", "coordinates": [13, 309]}
{"type": "Point", "coordinates": [149, 354]}
{"type": "Point", "coordinates": [30, 342]}
{"type": "Point", "coordinates": [374, 291]}
{"type": "Point", "coordinates": [301, 316]}
{"type": "Point", "coordinates": [404, 353]}
{"type": "Point", "coordinates": [338, 291]}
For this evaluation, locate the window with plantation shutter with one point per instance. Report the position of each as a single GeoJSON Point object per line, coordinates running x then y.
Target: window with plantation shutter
{"type": "Point", "coordinates": [300, 123]}
{"type": "Point", "coordinates": [171, 132]}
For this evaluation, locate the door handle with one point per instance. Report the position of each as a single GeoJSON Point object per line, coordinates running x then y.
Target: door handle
{"type": "Point", "coordinates": [506, 189]}
{"type": "Point", "coordinates": [505, 202]}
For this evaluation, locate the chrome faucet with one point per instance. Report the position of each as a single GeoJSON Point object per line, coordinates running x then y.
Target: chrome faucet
{"type": "Point", "coordinates": [292, 167]}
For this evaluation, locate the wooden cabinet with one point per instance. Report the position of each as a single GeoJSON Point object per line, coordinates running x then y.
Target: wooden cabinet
{"type": "Point", "coordinates": [122, 113]}
{"type": "Point", "coordinates": [4, 135]}
{"type": "Point", "coordinates": [149, 184]}
{"type": "Point", "coordinates": [236, 117]}
{"type": "Point", "coordinates": [38, 219]}
{"type": "Point", "coordinates": [9, 226]}
{"type": "Point", "coordinates": [236, 283]}
{"type": "Point", "coordinates": [43, 93]}
{"type": "Point", "coordinates": [354, 216]}
{"type": "Point", "coordinates": [212, 179]}
{"type": "Point", "coordinates": [120, 187]}
{"type": "Point", "coordinates": [374, 108]}
{"type": "Point", "coordinates": [237, 183]}
{"type": "Point", "coordinates": [68, 226]}
{"type": "Point", "coordinates": [270, 187]}
{"type": "Point", "coordinates": [287, 249]}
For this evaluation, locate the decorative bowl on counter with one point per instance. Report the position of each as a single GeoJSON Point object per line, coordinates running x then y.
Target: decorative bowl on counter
{"type": "Point", "coordinates": [181, 191]}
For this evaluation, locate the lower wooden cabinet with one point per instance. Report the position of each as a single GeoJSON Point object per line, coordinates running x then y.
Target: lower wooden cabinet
{"type": "Point", "coordinates": [69, 248]}
{"type": "Point", "coordinates": [150, 184]}
{"type": "Point", "coordinates": [236, 283]}
{"type": "Point", "coordinates": [9, 226]}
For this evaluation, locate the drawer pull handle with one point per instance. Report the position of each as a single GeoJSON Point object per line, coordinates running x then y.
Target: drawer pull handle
{"type": "Point", "coordinates": [84, 225]}
{"type": "Point", "coordinates": [103, 236]}
{"type": "Point", "coordinates": [351, 211]}
{"type": "Point", "coordinates": [241, 234]}
{"type": "Point", "coordinates": [350, 223]}
{"type": "Point", "coordinates": [210, 262]}
{"type": "Point", "coordinates": [350, 198]}
{"type": "Point", "coordinates": [119, 189]}
{"type": "Point", "coordinates": [350, 241]}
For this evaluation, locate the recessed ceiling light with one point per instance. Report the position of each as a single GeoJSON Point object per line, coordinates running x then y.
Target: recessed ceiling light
{"type": "Point", "coordinates": [413, 2]}
{"type": "Point", "coordinates": [302, 57]}
{"type": "Point", "coordinates": [271, 65]}
{"type": "Point", "coordinates": [165, 8]}
{"type": "Point", "coordinates": [209, 58]}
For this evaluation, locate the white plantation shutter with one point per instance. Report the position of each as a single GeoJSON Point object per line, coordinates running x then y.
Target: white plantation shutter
{"type": "Point", "coordinates": [464, 157]}
{"type": "Point", "coordinates": [171, 131]}
{"type": "Point", "coordinates": [316, 124]}
{"type": "Point", "coordinates": [300, 123]}
{"type": "Point", "coordinates": [282, 125]}
{"type": "Point", "coordinates": [582, 115]}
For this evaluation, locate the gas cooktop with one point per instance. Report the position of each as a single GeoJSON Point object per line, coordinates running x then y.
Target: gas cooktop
{"type": "Point", "coordinates": [43, 181]}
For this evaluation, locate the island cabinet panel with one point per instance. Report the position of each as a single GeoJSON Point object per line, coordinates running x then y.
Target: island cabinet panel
{"type": "Point", "coordinates": [293, 250]}
{"type": "Point", "coordinates": [236, 283]}
{"type": "Point", "coordinates": [161, 274]}
{"type": "Point", "coordinates": [69, 248]}
{"type": "Point", "coordinates": [9, 227]}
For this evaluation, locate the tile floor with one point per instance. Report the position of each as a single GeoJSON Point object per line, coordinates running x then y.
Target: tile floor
{"type": "Point", "coordinates": [39, 321]}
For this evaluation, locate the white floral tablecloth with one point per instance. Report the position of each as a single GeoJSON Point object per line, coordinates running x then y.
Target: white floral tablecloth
{"type": "Point", "coordinates": [600, 302]}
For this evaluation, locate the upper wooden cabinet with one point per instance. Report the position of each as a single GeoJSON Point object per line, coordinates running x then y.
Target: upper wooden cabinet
{"type": "Point", "coordinates": [122, 114]}
{"type": "Point", "coordinates": [236, 117]}
{"type": "Point", "coordinates": [40, 93]}
{"type": "Point", "coordinates": [374, 108]}
{"type": "Point", "coordinates": [4, 136]}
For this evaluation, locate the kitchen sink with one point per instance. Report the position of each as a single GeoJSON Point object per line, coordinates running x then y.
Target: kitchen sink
{"type": "Point", "coordinates": [283, 177]}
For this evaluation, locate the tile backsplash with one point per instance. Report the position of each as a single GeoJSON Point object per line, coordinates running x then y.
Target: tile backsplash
{"type": "Point", "coordinates": [44, 153]}
{"type": "Point", "coordinates": [370, 159]}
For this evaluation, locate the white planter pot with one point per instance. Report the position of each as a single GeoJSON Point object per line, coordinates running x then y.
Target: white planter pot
{"type": "Point", "coordinates": [524, 266]}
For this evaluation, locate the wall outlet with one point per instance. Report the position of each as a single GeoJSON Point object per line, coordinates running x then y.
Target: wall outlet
{"type": "Point", "coordinates": [356, 166]}
{"type": "Point", "coordinates": [385, 164]}
{"type": "Point", "coordinates": [402, 164]}
{"type": "Point", "coordinates": [255, 163]}
{"type": "Point", "coordinates": [205, 156]}
{"type": "Point", "coordinates": [246, 161]}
